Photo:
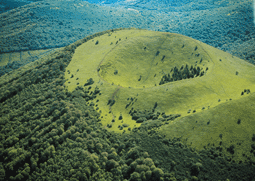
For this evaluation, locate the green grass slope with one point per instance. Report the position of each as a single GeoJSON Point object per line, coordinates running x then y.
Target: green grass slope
{"type": "Point", "coordinates": [128, 67]}
{"type": "Point", "coordinates": [131, 63]}
{"type": "Point", "coordinates": [229, 127]}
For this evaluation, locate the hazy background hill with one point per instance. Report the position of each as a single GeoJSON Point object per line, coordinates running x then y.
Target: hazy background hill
{"type": "Point", "coordinates": [227, 25]}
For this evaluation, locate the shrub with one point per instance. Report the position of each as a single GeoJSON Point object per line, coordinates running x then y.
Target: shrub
{"type": "Point", "coordinates": [253, 137]}
{"type": "Point", "coordinates": [111, 102]}
{"type": "Point", "coordinates": [141, 168]}
{"type": "Point", "coordinates": [195, 169]}
{"type": "Point", "coordinates": [148, 174]}
{"type": "Point", "coordinates": [99, 147]}
{"type": "Point", "coordinates": [125, 170]}
{"type": "Point", "coordinates": [141, 120]}
{"type": "Point", "coordinates": [148, 161]}
{"type": "Point", "coordinates": [157, 173]}
{"type": "Point", "coordinates": [125, 125]}
{"type": "Point", "coordinates": [133, 165]}
{"type": "Point", "coordinates": [133, 153]}
{"type": "Point", "coordinates": [135, 177]}
{"type": "Point", "coordinates": [110, 164]}
{"type": "Point", "coordinates": [113, 156]}
{"type": "Point", "coordinates": [2, 172]}
{"type": "Point", "coordinates": [105, 154]}
{"type": "Point", "coordinates": [89, 82]}
{"type": "Point", "coordinates": [145, 155]}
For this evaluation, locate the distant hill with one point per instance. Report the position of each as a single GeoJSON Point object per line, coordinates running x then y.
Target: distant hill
{"type": "Point", "coordinates": [6, 5]}
{"type": "Point", "coordinates": [227, 25]}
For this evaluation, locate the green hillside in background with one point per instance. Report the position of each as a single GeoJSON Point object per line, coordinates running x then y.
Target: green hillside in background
{"type": "Point", "coordinates": [129, 104]}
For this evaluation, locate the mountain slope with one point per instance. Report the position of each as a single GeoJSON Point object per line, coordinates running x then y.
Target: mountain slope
{"type": "Point", "coordinates": [228, 127]}
{"type": "Point", "coordinates": [49, 133]}
{"type": "Point", "coordinates": [144, 75]}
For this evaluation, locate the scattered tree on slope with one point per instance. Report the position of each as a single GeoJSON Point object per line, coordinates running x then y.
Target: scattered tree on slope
{"type": "Point", "coordinates": [182, 73]}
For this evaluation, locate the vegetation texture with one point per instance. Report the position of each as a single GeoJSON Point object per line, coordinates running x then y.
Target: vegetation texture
{"type": "Point", "coordinates": [51, 133]}
{"type": "Point", "coordinates": [224, 24]}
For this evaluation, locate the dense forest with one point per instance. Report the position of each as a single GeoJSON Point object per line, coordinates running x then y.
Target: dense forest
{"type": "Point", "coordinates": [48, 133]}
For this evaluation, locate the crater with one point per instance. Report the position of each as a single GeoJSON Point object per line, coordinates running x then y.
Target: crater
{"type": "Point", "coordinates": [145, 61]}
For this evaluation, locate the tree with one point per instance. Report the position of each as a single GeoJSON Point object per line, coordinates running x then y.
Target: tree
{"type": "Point", "coordinates": [89, 82]}
{"type": "Point", "coordinates": [2, 172]}
{"type": "Point", "coordinates": [135, 177]}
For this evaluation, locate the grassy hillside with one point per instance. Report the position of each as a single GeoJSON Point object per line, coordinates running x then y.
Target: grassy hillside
{"type": "Point", "coordinates": [50, 133]}
{"type": "Point", "coordinates": [135, 61]}
{"type": "Point", "coordinates": [228, 127]}
{"type": "Point", "coordinates": [128, 66]}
